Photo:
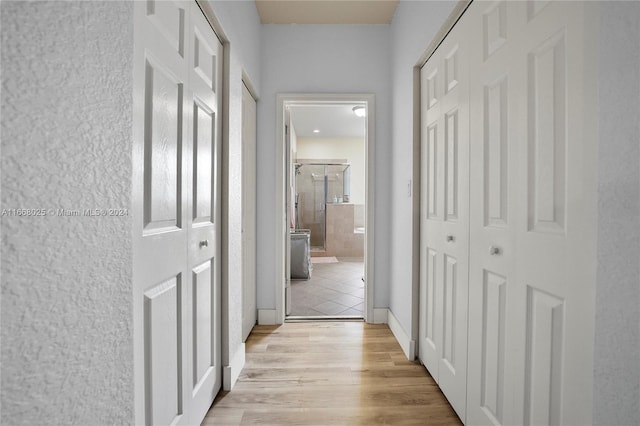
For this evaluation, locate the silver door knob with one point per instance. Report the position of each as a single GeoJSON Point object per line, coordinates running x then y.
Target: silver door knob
{"type": "Point", "coordinates": [450, 238]}
{"type": "Point", "coordinates": [494, 250]}
{"type": "Point", "coordinates": [204, 243]}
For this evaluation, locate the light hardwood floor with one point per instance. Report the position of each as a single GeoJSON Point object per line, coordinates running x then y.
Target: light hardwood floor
{"type": "Point", "coordinates": [330, 373]}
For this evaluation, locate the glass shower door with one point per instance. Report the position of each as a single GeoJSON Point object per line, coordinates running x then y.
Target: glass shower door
{"type": "Point", "coordinates": [311, 201]}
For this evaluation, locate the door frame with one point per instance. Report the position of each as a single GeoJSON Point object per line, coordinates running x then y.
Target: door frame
{"type": "Point", "coordinates": [246, 81]}
{"type": "Point", "coordinates": [282, 204]}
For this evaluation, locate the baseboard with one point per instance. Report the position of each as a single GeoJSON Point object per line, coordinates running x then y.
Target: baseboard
{"type": "Point", "coordinates": [408, 346]}
{"type": "Point", "coordinates": [380, 315]}
{"type": "Point", "coordinates": [267, 317]}
{"type": "Point", "coordinates": [232, 371]}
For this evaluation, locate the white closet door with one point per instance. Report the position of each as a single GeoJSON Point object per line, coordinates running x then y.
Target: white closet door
{"type": "Point", "coordinates": [204, 221]}
{"type": "Point", "coordinates": [430, 327]}
{"type": "Point", "coordinates": [445, 218]}
{"type": "Point", "coordinates": [531, 297]}
{"type": "Point", "coordinates": [176, 131]}
{"type": "Point", "coordinates": [496, 98]}
{"type": "Point", "coordinates": [556, 240]}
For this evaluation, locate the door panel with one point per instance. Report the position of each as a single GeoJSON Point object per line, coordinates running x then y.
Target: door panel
{"type": "Point", "coordinates": [494, 292]}
{"type": "Point", "coordinates": [556, 247]}
{"type": "Point", "coordinates": [168, 18]}
{"type": "Point", "coordinates": [163, 144]}
{"type": "Point", "coordinates": [449, 324]}
{"type": "Point", "coordinates": [530, 284]}
{"type": "Point", "coordinates": [203, 357]}
{"type": "Point", "coordinates": [452, 174]}
{"type": "Point", "coordinates": [204, 228]}
{"type": "Point", "coordinates": [493, 333]}
{"type": "Point", "coordinates": [547, 135]}
{"type": "Point", "coordinates": [176, 274]}
{"type": "Point", "coordinates": [496, 154]}
{"type": "Point", "coordinates": [163, 326]}
{"type": "Point", "coordinates": [544, 370]}
{"type": "Point", "coordinates": [160, 206]}
{"type": "Point", "coordinates": [203, 162]}
{"type": "Point", "coordinates": [445, 218]}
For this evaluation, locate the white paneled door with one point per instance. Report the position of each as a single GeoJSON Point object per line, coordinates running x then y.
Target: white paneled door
{"type": "Point", "coordinates": [249, 310]}
{"type": "Point", "coordinates": [496, 130]}
{"type": "Point", "coordinates": [445, 218]}
{"type": "Point", "coordinates": [531, 298]}
{"type": "Point", "coordinates": [177, 131]}
{"type": "Point", "coordinates": [532, 103]}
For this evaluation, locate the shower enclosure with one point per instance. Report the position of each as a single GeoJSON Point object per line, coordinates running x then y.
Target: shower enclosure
{"type": "Point", "coordinates": [317, 184]}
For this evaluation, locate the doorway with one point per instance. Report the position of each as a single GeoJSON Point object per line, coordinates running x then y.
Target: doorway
{"type": "Point", "coordinates": [324, 192]}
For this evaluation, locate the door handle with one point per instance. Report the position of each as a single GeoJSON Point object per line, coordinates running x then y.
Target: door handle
{"type": "Point", "coordinates": [450, 238]}
{"type": "Point", "coordinates": [495, 250]}
{"type": "Point", "coordinates": [204, 243]}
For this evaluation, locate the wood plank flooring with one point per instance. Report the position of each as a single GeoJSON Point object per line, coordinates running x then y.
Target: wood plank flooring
{"type": "Point", "coordinates": [330, 373]}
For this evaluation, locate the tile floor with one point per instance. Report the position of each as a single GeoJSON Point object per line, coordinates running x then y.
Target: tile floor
{"type": "Point", "coordinates": [335, 289]}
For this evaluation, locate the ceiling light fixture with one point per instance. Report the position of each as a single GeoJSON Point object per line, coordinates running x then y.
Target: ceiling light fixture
{"type": "Point", "coordinates": [316, 131]}
{"type": "Point", "coordinates": [359, 110]}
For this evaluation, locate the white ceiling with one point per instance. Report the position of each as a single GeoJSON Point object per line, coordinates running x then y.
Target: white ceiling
{"type": "Point", "coordinates": [326, 11]}
{"type": "Point", "coordinates": [333, 121]}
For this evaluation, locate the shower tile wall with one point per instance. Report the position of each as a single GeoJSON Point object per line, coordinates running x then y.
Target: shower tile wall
{"type": "Point", "coordinates": [342, 237]}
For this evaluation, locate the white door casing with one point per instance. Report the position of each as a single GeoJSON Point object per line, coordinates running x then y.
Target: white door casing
{"type": "Point", "coordinates": [288, 204]}
{"type": "Point", "coordinates": [249, 312]}
{"type": "Point", "coordinates": [282, 187]}
{"type": "Point", "coordinates": [445, 218]}
{"type": "Point", "coordinates": [176, 157]}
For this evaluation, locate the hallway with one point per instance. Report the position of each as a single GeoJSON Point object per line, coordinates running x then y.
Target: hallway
{"type": "Point", "coordinates": [324, 373]}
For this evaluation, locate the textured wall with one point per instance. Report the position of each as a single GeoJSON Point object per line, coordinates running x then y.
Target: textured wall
{"type": "Point", "coordinates": [66, 281]}
{"type": "Point", "coordinates": [322, 59]}
{"type": "Point", "coordinates": [617, 333]}
{"type": "Point", "coordinates": [413, 27]}
{"type": "Point", "coordinates": [241, 25]}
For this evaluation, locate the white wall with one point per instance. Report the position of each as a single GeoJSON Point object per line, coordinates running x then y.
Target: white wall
{"type": "Point", "coordinates": [617, 328]}
{"type": "Point", "coordinates": [67, 344]}
{"type": "Point", "coordinates": [414, 26]}
{"type": "Point", "coordinates": [351, 149]}
{"type": "Point", "coordinates": [241, 26]}
{"type": "Point", "coordinates": [322, 59]}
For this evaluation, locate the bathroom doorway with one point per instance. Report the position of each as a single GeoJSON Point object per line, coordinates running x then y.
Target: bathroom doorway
{"type": "Point", "coordinates": [328, 250]}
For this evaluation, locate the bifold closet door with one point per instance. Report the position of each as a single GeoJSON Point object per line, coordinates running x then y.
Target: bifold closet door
{"type": "Point", "coordinates": [176, 236]}
{"type": "Point", "coordinates": [532, 207]}
{"type": "Point", "coordinates": [496, 124]}
{"type": "Point", "coordinates": [445, 218]}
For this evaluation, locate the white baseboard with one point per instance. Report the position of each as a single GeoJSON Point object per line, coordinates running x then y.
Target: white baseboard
{"type": "Point", "coordinates": [380, 315]}
{"type": "Point", "coordinates": [267, 317]}
{"type": "Point", "coordinates": [408, 346]}
{"type": "Point", "coordinates": [232, 372]}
